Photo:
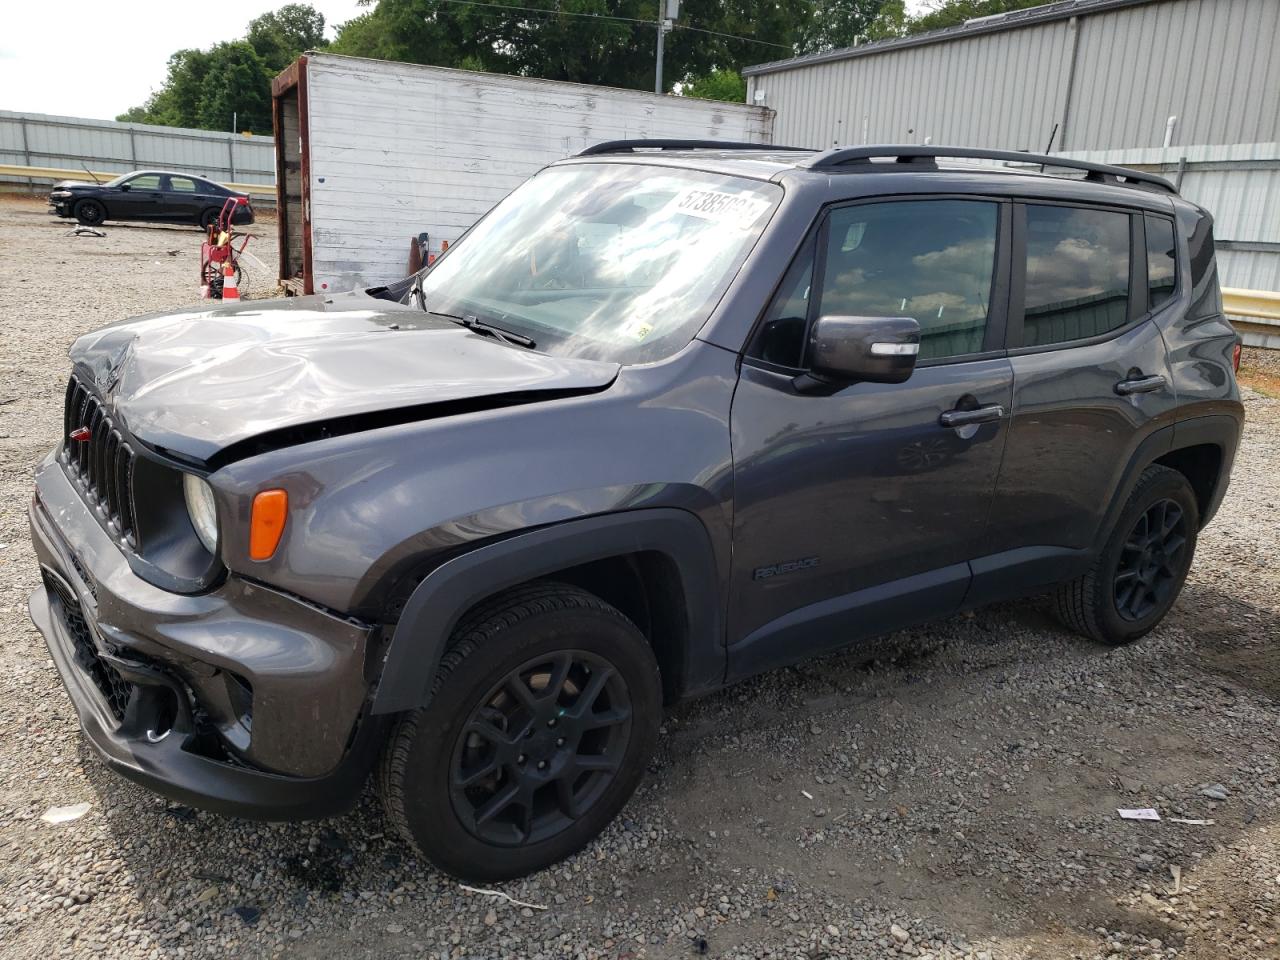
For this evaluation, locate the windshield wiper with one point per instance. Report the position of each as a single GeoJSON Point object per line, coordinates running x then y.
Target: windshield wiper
{"type": "Point", "coordinates": [480, 326]}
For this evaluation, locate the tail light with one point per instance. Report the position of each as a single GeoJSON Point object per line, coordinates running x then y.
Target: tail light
{"type": "Point", "coordinates": [1235, 356]}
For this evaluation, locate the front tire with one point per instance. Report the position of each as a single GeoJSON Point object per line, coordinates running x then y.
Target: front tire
{"type": "Point", "coordinates": [1140, 571]}
{"type": "Point", "coordinates": [90, 212]}
{"type": "Point", "coordinates": [543, 715]}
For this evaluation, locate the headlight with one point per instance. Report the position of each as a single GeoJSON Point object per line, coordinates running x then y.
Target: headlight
{"type": "Point", "coordinates": [202, 510]}
{"type": "Point", "coordinates": [61, 194]}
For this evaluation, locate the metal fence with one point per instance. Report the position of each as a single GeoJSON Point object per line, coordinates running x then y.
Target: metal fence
{"type": "Point", "coordinates": [40, 140]}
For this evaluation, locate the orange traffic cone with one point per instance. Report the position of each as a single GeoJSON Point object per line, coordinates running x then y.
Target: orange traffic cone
{"type": "Point", "coordinates": [229, 289]}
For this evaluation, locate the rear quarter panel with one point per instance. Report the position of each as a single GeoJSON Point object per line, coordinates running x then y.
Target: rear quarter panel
{"type": "Point", "coordinates": [1199, 338]}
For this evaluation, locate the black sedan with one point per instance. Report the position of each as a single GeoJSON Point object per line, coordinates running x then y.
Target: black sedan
{"type": "Point", "coordinates": [154, 195]}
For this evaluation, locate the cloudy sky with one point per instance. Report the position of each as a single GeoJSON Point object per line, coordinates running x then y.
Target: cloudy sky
{"type": "Point", "coordinates": [83, 59]}
{"type": "Point", "coordinates": [97, 60]}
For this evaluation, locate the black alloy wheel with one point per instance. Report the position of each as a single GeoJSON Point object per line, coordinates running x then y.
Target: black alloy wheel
{"type": "Point", "coordinates": [1140, 568]}
{"type": "Point", "coordinates": [1150, 565]}
{"type": "Point", "coordinates": [541, 748]}
{"type": "Point", "coordinates": [538, 727]}
{"type": "Point", "coordinates": [90, 212]}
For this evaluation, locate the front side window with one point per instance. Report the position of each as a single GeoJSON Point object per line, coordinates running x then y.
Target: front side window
{"type": "Point", "coordinates": [931, 260]}
{"type": "Point", "coordinates": [147, 181]}
{"type": "Point", "coordinates": [781, 335]}
{"type": "Point", "coordinates": [1077, 274]}
{"type": "Point", "coordinates": [620, 262]}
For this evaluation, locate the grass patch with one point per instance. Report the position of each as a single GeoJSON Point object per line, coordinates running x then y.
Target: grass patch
{"type": "Point", "coordinates": [1265, 382]}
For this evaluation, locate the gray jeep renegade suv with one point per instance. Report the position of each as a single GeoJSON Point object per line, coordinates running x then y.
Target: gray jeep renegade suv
{"type": "Point", "coordinates": [671, 414]}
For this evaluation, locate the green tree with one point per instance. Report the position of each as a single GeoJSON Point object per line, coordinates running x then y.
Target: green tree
{"type": "Point", "coordinates": [840, 23]}
{"type": "Point", "coordinates": [279, 36]}
{"type": "Point", "coordinates": [607, 42]}
{"type": "Point", "coordinates": [951, 13]}
{"type": "Point", "coordinates": [237, 89]}
{"type": "Point", "coordinates": [726, 85]}
{"type": "Point", "coordinates": [206, 89]}
{"type": "Point", "coordinates": [891, 21]}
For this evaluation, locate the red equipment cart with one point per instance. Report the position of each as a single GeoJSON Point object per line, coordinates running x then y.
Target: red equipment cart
{"type": "Point", "coordinates": [218, 249]}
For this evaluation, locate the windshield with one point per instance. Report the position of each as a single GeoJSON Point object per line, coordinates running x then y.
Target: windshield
{"type": "Point", "coordinates": [619, 262]}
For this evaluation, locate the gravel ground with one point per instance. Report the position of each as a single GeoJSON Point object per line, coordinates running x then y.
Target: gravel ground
{"type": "Point", "coordinates": [950, 791]}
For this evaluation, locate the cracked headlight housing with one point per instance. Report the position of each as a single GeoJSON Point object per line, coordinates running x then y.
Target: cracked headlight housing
{"type": "Point", "coordinates": [202, 510]}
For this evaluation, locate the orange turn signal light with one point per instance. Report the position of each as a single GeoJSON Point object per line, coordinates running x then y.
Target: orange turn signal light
{"type": "Point", "coordinates": [266, 523]}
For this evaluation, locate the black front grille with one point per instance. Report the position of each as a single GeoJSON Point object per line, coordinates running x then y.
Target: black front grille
{"type": "Point", "coordinates": [101, 464]}
{"type": "Point", "coordinates": [113, 687]}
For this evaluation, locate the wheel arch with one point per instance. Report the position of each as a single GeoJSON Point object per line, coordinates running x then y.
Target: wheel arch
{"type": "Point", "coordinates": [1200, 448]}
{"type": "Point", "coordinates": [656, 565]}
{"type": "Point", "coordinates": [100, 201]}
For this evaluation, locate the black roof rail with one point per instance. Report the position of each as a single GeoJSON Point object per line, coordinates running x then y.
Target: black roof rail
{"type": "Point", "coordinates": [913, 153]}
{"type": "Point", "coordinates": [629, 146]}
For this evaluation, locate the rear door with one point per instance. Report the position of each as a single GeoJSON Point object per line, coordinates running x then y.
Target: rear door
{"type": "Point", "coordinates": [1091, 381]}
{"type": "Point", "coordinates": [855, 508]}
{"type": "Point", "coordinates": [210, 195]}
{"type": "Point", "coordinates": [182, 199]}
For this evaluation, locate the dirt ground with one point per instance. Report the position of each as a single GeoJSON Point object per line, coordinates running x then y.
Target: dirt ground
{"type": "Point", "coordinates": [950, 791]}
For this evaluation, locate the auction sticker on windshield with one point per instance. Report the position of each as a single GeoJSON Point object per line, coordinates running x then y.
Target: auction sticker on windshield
{"type": "Point", "coordinates": [735, 209]}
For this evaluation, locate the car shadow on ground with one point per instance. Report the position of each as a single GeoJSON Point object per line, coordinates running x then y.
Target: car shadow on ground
{"type": "Point", "coordinates": [968, 771]}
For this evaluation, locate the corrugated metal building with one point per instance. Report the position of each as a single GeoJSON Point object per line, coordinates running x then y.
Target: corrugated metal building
{"type": "Point", "coordinates": [1108, 73]}
{"type": "Point", "coordinates": [1186, 88]}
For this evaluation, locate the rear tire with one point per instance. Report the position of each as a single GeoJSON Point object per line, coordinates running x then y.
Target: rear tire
{"type": "Point", "coordinates": [209, 217]}
{"type": "Point", "coordinates": [1140, 571]}
{"type": "Point", "coordinates": [90, 212]}
{"type": "Point", "coordinates": [543, 715]}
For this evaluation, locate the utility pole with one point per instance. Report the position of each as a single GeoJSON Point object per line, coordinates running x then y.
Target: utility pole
{"type": "Point", "coordinates": [668, 10]}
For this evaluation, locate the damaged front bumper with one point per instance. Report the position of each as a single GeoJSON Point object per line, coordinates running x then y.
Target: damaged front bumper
{"type": "Point", "coordinates": [241, 700]}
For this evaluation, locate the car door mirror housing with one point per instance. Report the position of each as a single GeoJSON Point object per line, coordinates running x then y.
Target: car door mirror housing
{"type": "Point", "coordinates": [124, 187]}
{"type": "Point", "coordinates": [846, 349]}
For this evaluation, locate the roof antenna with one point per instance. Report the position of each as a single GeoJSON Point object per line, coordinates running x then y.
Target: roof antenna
{"type": "Point", "coordinates": [1049, 147]}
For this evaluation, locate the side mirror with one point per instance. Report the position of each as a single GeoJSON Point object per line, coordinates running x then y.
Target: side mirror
{"type": "Point", "coordinates": [870, 349]}
{"type": "Point", "coordinates": [124, 187]}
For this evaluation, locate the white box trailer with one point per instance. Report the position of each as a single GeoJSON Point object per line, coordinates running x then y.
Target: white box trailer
{"type": "Point", "coordinates": [370, 154]}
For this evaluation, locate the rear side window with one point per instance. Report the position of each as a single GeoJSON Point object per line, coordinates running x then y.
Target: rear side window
{"type": "Point", "coordinates": [182, 185]}
{"type": "Point", "coordinates": [1077, 274]}
{"type": "Point", "coordinates": [931, 260]}
{"type": "Point", "coordinates": [1162, 261]}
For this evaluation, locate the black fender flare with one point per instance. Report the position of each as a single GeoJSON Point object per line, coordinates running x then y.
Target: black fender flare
{"type": "Point", "coordinates": [1220, 430]}
{"type": "Point", "coordinates": [437, 604]}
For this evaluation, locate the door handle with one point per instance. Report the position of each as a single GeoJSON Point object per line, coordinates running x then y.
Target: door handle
{"type": "Point", "coordinates": [1140, 385]}
{"type": "Point", "coordinates": [963, 418]}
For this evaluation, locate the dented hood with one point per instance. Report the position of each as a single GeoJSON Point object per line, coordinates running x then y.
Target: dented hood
{"type": "Point", "coordinates": [194, 382]}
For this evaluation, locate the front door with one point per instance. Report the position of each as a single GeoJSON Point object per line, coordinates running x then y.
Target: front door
{"type": "Point", "coordinates": [856, 509]}
{"type": "Point", "coordinates": [143, 200]}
